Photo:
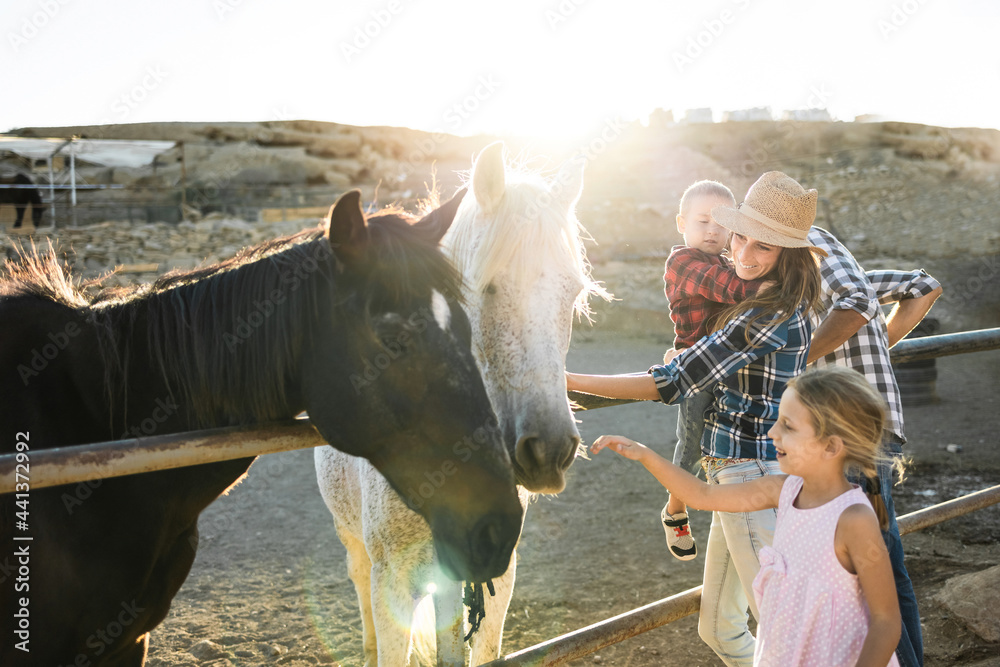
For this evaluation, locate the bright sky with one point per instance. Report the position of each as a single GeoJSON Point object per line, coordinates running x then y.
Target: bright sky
{"type": "Point", "coordinates": [538, 67]}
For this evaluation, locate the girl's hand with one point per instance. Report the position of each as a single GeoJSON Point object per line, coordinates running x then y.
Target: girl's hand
{"type": "Point", "coordinates": [670, 354]}
{"type": "Point", "coordinates": [630, 449]}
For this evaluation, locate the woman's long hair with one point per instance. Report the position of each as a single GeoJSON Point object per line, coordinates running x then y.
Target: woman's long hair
{"type": "Point", "coordinates": [798, 283]}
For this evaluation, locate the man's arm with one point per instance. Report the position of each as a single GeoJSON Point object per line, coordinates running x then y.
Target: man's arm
{"type": "Point", "coordinates": [834, 331]}
{"type": "Point", "coordinates": [840, 325]}
{"type": "Point", "coordinates": [846, 286]}
{"type": "Point", "coordinates": [907, 314]}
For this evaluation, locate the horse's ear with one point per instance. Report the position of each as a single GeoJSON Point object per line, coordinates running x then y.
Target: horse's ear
{"type": "Point", "coordinates": [346, 228]}
{"type": "Point", "coordinates": [570, 181]}
{"type": "Point", "coordinates": [488, 181]}
{"type": "Point", "coordinates": [438, 222]}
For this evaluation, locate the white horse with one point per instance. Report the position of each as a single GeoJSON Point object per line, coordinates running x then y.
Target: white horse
{"type": "Point", "coordinates": [517, 242]}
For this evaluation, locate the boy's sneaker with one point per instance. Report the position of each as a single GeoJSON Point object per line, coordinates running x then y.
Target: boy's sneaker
{"type": "Point", "coordinates": [679, 539]}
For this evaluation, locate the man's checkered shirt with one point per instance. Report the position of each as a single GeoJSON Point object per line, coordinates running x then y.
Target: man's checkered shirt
{"type": "Point", "coordinates": [846, 286]}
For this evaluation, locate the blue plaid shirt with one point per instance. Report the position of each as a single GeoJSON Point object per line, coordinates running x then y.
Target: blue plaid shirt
{"type": "Point", "coordinates": [748, 381]}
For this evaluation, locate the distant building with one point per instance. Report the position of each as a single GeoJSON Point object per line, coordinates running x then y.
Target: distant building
{"type": "Point", "coordinates": [703, 115]}
{"type": "Point", "coordinates": [807, 115]}
{"type": "Point", "coordinates": [870, 118]}
{"type": "Point", "coordinates": [661, 119]}
{"type": "Point", "coordinates": [747, 115]}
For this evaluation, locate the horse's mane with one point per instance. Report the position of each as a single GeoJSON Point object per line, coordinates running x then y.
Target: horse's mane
{"type": "Point", "coordinates": [39, 273]}
{"type": "Point", "coordinates": [226, 337]}
{"type": "Point", "coordinates": [539, 235]}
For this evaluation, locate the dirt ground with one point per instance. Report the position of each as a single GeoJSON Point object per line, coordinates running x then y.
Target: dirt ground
{"type": "Point", "coordinates": [270, 585]}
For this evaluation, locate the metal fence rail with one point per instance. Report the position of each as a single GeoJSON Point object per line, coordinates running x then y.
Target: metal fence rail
{"type": "Point", "coordinates": [594, 637]}
{"type": "Point", "coordinates": [82, 463]}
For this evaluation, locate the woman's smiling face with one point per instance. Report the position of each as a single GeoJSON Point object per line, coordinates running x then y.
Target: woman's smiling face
{"type": "Point", "coordinates": [753, 259]}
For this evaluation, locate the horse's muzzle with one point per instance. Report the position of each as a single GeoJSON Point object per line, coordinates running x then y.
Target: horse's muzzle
{"type": "Point", "coordinates": [487, 552]}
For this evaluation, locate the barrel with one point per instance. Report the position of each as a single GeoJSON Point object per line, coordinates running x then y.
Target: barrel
{"type": "Point", "coordinates": [917, 380]}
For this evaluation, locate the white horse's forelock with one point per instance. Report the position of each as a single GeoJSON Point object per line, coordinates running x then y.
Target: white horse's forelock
{"type": "Point", "coordinates": [442, 313]}
{"type": "Point", "coordinates": [543, 233]}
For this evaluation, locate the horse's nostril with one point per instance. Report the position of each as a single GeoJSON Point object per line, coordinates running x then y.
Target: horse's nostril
{"type": "Point", "coordinates": [487, 538]}
{"type": "Point", "coordinates": [492, 535]}
{"type": "Point", "coordinates": [528, 453]}
{"type": "Point", "coordinates": [571, 451]}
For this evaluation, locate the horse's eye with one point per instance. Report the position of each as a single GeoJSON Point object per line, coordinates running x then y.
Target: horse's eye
{"type": "Point", "coordinates": [397, 345]}
{"type": "Point", "coordinates": [491, 289]}
{"type": "Point", "coordinates": [391, 343]}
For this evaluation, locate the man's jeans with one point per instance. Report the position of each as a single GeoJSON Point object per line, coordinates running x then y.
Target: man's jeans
{"type": "Point", "coordinates": [910, 651]}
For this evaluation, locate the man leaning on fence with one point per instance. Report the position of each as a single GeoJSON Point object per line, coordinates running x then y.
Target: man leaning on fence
{"type": "Point", "coordinates": [851, 330]}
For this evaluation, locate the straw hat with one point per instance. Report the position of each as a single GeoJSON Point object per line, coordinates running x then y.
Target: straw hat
{"type": "Point", "coordinates": [777, 211]}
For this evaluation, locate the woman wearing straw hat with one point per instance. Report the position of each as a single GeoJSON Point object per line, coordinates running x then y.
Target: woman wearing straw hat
{"type": "Point", "coordinates": [758, 345]}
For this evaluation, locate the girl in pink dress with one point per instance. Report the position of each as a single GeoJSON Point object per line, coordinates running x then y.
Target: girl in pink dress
{"type": "Point", "coordinates": [825, 589]}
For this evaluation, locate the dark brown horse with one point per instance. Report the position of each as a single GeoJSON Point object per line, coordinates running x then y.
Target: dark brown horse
{"type": "Point", "coordinates": [21, 197]}
{"type": "Point", "coordinates": [291, 325]}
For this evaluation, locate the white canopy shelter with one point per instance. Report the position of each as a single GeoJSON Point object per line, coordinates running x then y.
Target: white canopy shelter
{"type": "Point", "coordinates": [103, 152]}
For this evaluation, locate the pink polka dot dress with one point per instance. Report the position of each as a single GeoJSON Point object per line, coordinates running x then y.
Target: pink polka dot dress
{"type": "Point", "coordinates": [812, 612]}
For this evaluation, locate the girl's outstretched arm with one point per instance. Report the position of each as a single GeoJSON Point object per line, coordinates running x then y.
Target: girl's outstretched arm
{"type": "Point", "coordinates": [859, 539]}
{"type": "Point", "coordinates": [639, 386]}
{"type": "Point", "coordinates": [757, 494]}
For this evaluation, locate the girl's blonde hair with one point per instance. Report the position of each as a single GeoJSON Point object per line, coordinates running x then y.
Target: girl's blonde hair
{"type": "Point", "coordinates": [842, 403]}
{"type": "Point", "coordinates": [705, 189]}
